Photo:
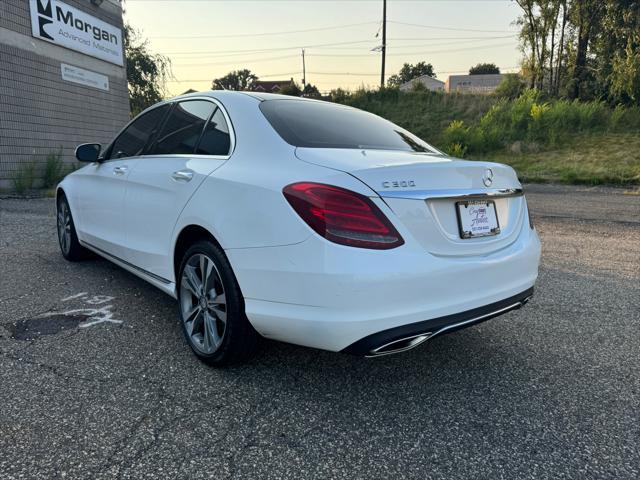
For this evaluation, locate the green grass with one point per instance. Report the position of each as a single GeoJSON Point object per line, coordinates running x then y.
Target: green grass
{"type": "Point", "coordinates": [427, 114]}
{"type": "Point", "coordinates": [608, 158]}
{"type": "Point", "coordinates": [557, 141]}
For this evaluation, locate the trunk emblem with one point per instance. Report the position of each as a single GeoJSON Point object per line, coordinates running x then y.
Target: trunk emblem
{"type": "Point", "coordinates": [398, 183]}
{"type": "Point", "coordinates": [487, 177]}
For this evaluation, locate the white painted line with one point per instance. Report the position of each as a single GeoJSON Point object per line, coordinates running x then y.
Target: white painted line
{"type": "Point", "coordinates": [77, 295]}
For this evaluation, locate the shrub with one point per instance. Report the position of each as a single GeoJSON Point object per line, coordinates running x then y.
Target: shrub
{"type": "Point", "coordinates": [459, 138]}
{"type": "Point", "coordinates": [418, 87]}
{"type": "Point", "coordinates": [624, 119]}
{"type": "Point", "coordinates": [22, 179]}
{"type": "Point", "coordinates": [54, 170]}
{"type": "Point", "coordinates": [510, 87]}
{"type": "Point", "coordinates": [339, 95]}
{"type": "Point", "coordinates": [456, 150]}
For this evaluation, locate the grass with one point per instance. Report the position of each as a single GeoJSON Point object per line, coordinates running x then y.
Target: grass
{"type": "Point", "coordinates": [545, 140]}
{"type": "Point", "coordinates": [608, 158]}
{"type": "Point", "coordinates": [23, 178]}
{"type": "Point", "coordinates": [427, 114]}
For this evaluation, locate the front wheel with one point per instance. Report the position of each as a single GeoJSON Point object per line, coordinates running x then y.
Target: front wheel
{"type": "Point", "coordinates": [212, 308]}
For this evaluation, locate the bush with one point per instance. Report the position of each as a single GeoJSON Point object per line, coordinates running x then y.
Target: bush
{"type": "Point", "coordinates": [511, 86]}
{"type": "Point", "coordinates": [22, 179]}
{"type": "Point", "coordinates": [339, 95]}
{"type": "Point", "coordinates": [459, 139]}
{"type": "Point", "coordinates": [623, 119]}
{"type": "Point", "coordinates": [54, 170]}
{"type": "Point", "coordinates": [456, 150]}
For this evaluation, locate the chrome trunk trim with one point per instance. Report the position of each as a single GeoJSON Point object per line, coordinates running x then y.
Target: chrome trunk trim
{"type": "Point", "coordinates": [452, 193]}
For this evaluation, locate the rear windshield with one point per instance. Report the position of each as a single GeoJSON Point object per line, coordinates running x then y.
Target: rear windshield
{"type": "Point", "coordinates": [326, 125]}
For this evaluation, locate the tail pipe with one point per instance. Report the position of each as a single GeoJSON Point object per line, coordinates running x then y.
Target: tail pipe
{"type": "Point", "coordinates": [390, 342]}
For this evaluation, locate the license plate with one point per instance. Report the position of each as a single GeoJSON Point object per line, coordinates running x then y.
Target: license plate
{"type": "Point", "coordinates": [477, 218]}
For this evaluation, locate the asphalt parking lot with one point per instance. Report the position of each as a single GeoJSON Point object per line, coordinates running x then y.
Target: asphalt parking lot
{"type": "Point", "coordinates": [550, 391]}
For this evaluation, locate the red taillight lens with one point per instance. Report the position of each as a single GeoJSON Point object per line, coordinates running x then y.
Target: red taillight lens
{"type": "Point", "coordinates": [342, 216]}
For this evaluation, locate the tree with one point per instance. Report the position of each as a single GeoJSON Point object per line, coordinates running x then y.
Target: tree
{"type": "Point", "coordinates": [339, 95]}
{"type": "Point", "coordinates": [291, 89]}
{"type": "Point", "coordinates": [311, 91]}
{"type": "Point", "coordinates": [484, 69]}
{"type": "Point", "coordinates": [616, 52]}
{"type": "Point", "coordinates": [582, 49]}
{"type": "Point", "coordinates": [147, 73]}
{"type": "Point", "coordinates": [408, 72]}
{"type": "Point", "coordinates": [235, 80]}
{"type": "Point", "coordinates": [511, 86]}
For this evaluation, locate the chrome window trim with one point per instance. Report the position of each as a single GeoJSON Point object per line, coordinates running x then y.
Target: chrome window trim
{"type": "Point", "coordinates": [453, 193]}
{"type": "Point", "coordinates": [215, 101]}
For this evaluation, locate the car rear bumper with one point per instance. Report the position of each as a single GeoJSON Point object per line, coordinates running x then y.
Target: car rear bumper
{"type": "Point", "coordinates": [406, 337]}
{"type": "Point", "coordinates": [328, 296]}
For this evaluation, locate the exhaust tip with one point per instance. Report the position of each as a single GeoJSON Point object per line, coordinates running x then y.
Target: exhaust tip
{"type": "Point", "coordinates": [401, 345]}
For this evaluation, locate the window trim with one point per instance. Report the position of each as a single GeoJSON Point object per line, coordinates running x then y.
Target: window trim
{"type": "Point", "coordinates": [172, 103]}
{"type": "Point", "coordinates": [129, 123]}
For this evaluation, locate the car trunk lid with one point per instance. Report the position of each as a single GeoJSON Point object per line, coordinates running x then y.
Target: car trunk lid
{"type": "Point", "coordinates": [423, 190]}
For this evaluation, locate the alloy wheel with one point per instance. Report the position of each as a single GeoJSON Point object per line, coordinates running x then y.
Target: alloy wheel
{"type": "Point", "coordinates": [203, 304]}
{"type": "Point", "coordinates": [64, 226]}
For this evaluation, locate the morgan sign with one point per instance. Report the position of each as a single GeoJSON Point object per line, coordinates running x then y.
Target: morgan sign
{"type": "Point", "coordinates": [59, 23]}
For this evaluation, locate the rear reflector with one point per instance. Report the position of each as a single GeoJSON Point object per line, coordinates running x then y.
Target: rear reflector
{"type": "Point", "coordinates": [342, 216]}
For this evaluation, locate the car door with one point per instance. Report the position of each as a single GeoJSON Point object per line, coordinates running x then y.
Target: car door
{"type": "Point", "coordinates": [102, 185]}
{"type": "Point", "coordinates": [193, 142]}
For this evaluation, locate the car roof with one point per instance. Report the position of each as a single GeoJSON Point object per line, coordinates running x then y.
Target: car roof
{"type": "Point", "coordinates": [231, 94]}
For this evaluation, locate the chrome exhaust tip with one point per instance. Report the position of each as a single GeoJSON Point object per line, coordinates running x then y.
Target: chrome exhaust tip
{"type": "Point", "coordinates": [401, 345]}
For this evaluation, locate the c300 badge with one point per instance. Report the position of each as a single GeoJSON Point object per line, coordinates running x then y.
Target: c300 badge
{"type": "Point", "coordinates": [398, 183]}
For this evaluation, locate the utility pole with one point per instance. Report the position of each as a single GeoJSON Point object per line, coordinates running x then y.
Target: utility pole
{"type": "Point", "coordinates": [304, 71]}
{"type": "Point", "coordinates": [384, 40]}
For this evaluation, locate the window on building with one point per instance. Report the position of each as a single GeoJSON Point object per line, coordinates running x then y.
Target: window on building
{"type": "Point", "coordinates": [216, 139]}
{"type": "Point", "coordinates": [137, 136]}
{"type": "Point", "coordinates": [183, 127]}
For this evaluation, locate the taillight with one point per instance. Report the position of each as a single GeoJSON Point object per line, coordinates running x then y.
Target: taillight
{"type": "Point", "coordinates": [342, 216]}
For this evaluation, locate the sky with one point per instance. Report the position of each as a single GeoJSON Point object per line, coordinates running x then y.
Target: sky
{"type": "Point", "coordinates": [205, 39]}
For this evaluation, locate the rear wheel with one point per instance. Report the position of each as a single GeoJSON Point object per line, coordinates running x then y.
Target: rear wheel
{"type": "Point", "coordinates": [212, 308]}
{"type": "Point", "coordinates": [67, 237]}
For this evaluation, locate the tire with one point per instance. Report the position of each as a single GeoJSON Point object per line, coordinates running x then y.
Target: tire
{"type": "Point", "coordinates": [67, 237]}
{"type": "Point", "coordinates": [212, 317]}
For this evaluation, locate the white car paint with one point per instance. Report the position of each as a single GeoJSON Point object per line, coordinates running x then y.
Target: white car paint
{"type": "Point", "coordinates": [299, 287]}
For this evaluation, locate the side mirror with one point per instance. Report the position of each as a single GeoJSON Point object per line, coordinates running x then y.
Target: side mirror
{"type": "Point", "coordinates": [88, 152]}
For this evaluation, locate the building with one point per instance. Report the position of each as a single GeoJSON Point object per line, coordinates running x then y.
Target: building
{"type": "Point", "coordinates": [62, 79]}
{"type": "Point", "coordinates": [430, 83]}
{"type": "Point", "coordinates": [473, 83]}
{"type": "Point", "coordinates": [271, 86]}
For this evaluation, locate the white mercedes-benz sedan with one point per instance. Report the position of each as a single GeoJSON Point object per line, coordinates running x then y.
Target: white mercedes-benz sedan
{"type": "Point", "coordinates": [302, 221]}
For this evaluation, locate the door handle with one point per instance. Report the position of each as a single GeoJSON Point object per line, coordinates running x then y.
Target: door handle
{"type": "Point", "coordinates": [182, 175]}
{"type": "Point", "coordinates": [120, 170]}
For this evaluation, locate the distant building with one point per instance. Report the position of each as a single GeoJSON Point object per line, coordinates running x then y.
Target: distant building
{"type": "Point", "coordinates": [430, 83]}
{"type": "Point", "coordinates": [473, 83]}
{"type": "Point", "coordinates": [271, 86]}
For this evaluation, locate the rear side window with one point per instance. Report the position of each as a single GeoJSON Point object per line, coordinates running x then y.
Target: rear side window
{"type": "Point", "coordinates": [216, 139]}
{"type": "Point", "coordinates": [182, 130]}
{"type": "Point", "coordinates": [133, 140]}
{"type": "Point", "coordinates": [327, 125]}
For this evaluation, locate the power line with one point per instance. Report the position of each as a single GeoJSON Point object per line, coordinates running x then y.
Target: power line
{"type": "Point", "coordinates": [264, 34]}
{"type": "Point", "coordinates": [231, 62]}
{"type": "Point", "coordinates": [272, 49]}
{"type": "Point", "coordinates": [455, 29]}
{"type": "Point", "coordinates": [209, 79]}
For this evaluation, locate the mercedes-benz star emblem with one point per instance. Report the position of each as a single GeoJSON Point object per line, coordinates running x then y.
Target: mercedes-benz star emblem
{"type": "Point", "coordinates": [487, 177]}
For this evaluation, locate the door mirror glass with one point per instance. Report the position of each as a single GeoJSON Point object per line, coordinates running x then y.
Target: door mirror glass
{"type": "Point", "coordinates": [88, 152]}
